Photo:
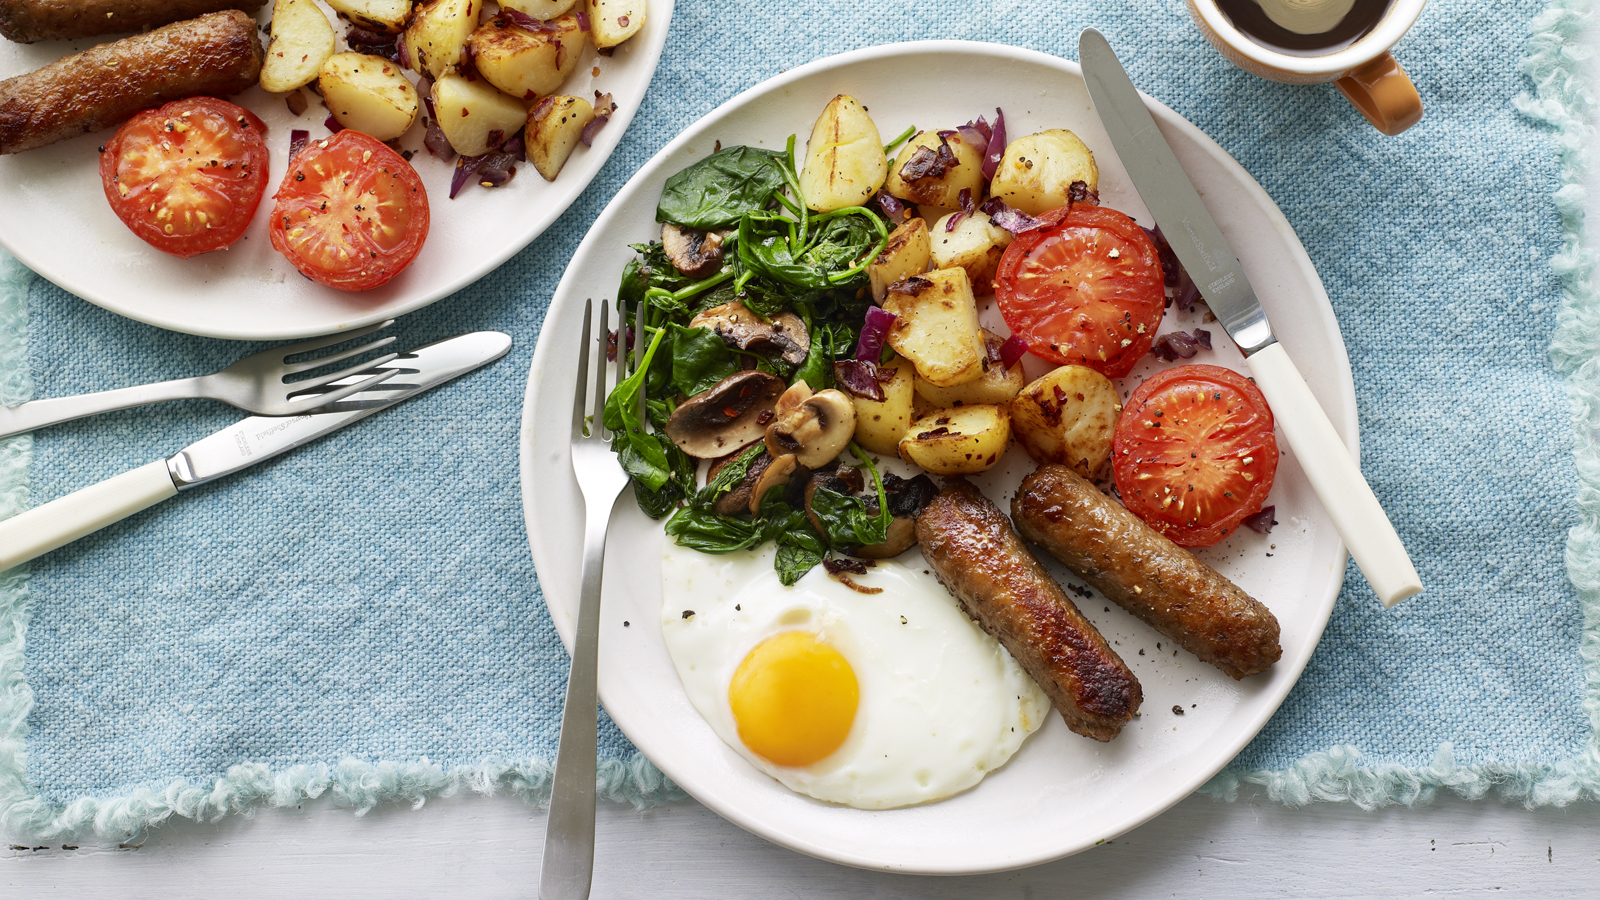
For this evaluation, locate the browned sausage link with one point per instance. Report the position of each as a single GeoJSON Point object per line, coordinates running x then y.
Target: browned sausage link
{"type": "Point", "coordinates": [214, 55]}
{"type": "Point", "coordinates": [1144, 572]}
{"type": "Point", "coordinates": [26, 21]}
{"type": "Point", "coordinates": [977, 556]}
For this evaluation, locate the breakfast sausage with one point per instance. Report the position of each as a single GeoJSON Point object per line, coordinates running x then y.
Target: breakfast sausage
{"type": "Point", "coordinates": [26, 21]}
{"type": "Point", "coordinates": [214, 55]}
{"type": "Point", "coordinates": [1142, 571]}
{"type": "Point", "coordinates": [979, 558]}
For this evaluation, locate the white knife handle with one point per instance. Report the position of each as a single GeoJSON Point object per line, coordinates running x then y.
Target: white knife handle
{"type": "Point", "coordinates": [1335, 477]}
{"type": "Point", "coordinates": [65, 519]}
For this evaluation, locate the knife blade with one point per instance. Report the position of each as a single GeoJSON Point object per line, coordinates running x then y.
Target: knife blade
{"type": "Point", "coordinates": [1199, 244]}
{"type": "Point", "coordinates": [239, 446]}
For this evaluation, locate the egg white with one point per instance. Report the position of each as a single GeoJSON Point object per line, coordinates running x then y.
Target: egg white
{"type": "Point", "coordinates": [942, 704]}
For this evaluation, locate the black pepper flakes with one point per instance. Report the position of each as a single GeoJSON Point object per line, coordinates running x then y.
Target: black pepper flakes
{"type": "Point", "coordinates": [1177, 710]}
{"type": "Point", "coordinates": [688, 613]}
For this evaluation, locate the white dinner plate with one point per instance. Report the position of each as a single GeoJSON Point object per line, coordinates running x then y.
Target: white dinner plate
{"type": "Point", "coordinates": [1061, 793]}
{"type": "Point", "coordinates": [58, 223]}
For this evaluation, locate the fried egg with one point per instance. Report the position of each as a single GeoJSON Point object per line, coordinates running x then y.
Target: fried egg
{"type": "Point", "coordinates": [870, 700]}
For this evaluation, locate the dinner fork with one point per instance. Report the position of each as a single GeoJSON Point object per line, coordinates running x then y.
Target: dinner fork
{"type": "Point", "coordinates": [568, 865]}
{"type": "Point", "coordinates": [257, 383]}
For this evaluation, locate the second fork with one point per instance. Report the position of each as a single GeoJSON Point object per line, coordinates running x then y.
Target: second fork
{"type": "Point", "coordinates": [257, 383]}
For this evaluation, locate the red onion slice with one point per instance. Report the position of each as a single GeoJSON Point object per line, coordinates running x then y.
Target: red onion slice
{"type": "Point", "coordinates": [604, 106]}
{"type": "Point", "coordinates": [1013, 220]}
{"type": "Point", "coordinates": [1262, 521]}
{"type": "Point", "coordinates": [523, 20]}
{"type": "Point", "coordinates": [583, 18]}
{"type": "Point", "coordinates": [466, 167]}
{"type": "Point", "coordinates": [869, 348]}
{"type": "Point", "coordinates": [893, 209]}
{"type": "Point", "coordinates": [859, 378]}
{"type": "Point", "coordinates": [928, 161]}
{"type": "Point", "coordinates": [332, 124]}
{"type": "Point", "coordinates": [1169, 260]}
{"type": "Point", "coordinates": [997, 144]}
{"type": "Point", "coordinates": [298, 139]}
{"type": "Point", "coordinates": [401, 51]}
{"type": "Point", "coordinates": [1188, 293]}
{"type": "Point", "coordinates": [967, 208]}
{"type": "Point", "coordinates": [1012, 350]}
{"type": "Point", "coordinates": [1177, 345]}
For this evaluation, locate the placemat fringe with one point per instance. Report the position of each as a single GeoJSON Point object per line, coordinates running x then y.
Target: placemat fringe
{"type": "Point", "coordinates": [352, 784]}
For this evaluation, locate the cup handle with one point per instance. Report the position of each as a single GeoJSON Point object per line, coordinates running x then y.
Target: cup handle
{"type": "Point", "coordinates": [1382, 92]}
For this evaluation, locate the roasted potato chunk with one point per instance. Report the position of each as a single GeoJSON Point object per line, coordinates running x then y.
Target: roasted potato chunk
{"type": "Point", "coordinates": [543, 10]}
{"type": "Point", "coordinates": [438, 35]}
{"type": "Point", "coordinates": [845, 163]}
{"type": "Point", "coordinates": [881, 424]}
{"type": "Point", "coordinates": [997, 386]}
{"type": "Point", "coordinates": [613, 21]}
{"type": "Point", "coordinates": [975, 245]}
{"type": "Point", "coordinates": [906, 254]}
{"type": "Point", "coordinates": [1036, 173]}
{"type": "Point", "coordinates": [387, 16]}
{"type": "Point", "coordinates": [555, 126]}
{"type": "Point", "coordinates": [958, 441]}
{"type": "Point", "coordinates": [469, 110]}
{"type": "Point", "coordinates": [936, 326]}
{"type": "Point", "coordinates": [368, 94]}
{"type": "Point", "coordinates": [527, 64]}
{"type": "Point", "coordinates": [302, 40]}
{"type": "Point", "coordinates": [933, 189]}
{"type": "Point", "coordinates": [1067, 416]}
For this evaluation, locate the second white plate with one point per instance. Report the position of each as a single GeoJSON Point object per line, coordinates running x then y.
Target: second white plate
{"type": "Point", "coordinates": [1061, 793]}
{"type": "Point", "coordinates": [58, 223]}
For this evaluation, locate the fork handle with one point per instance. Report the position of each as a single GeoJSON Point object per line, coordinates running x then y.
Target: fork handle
{"type": "Point", "coordinates": [567, 868]}
{"type": "Point", "coordinates": [65, 519]}
{"type": "Point", "coordinates": [39, 413]}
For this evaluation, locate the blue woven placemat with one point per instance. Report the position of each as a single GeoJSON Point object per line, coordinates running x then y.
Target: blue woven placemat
{"type": "Point", "coordinates": [361, 619]}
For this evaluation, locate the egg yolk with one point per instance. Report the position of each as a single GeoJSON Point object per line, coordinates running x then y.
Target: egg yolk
{"type": "Point", "coordinates": [794, 699]}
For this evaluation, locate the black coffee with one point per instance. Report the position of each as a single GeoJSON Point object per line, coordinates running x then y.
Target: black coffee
{"type": "Point", "coordinates": [1253, 22]}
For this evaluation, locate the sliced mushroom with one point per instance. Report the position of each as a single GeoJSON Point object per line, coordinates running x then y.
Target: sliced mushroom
{"type": "Point", "coordinates": [697, 254]}
{"type": "Point", "coordinates": [798, 393]}
{"type": "Point", "coordinates": [721, 462]}
{"type": "Point", "coordinates": [775, 474]}
{"type": "Point", "coordinates": [732, 412]}
{"type": "Point", "coordinates": [783, 335]}
{"type": "Point", "coordinates": [834, 482]}
{"type": "Point", "coordinates": [902, 537]}
{"type": "Point", "coordinates": [815, 432]}
{"type": "Point", "coordinates": [737, 500]}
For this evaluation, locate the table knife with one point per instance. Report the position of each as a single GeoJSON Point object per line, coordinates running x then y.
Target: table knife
{"type": "Point", "coordinates": [237, 447]}
{"type": "Point", "coordinates": [1210, 261]}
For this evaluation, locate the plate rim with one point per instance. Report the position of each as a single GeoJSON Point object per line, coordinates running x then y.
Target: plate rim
{"type": "Point", "coordinates": [354, 317]}
{"type": "Point", "coordinates": [1346, 424]}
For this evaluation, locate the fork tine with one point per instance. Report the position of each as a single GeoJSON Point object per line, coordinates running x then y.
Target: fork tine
{"type": "Point", "coordinates": [309, 404]}
{"type": "Point", "coordinates": [600, 376]}
{"type": "Point", "coordinates": [622, 350]}
{"type": "Point", "coordinates": [583, 374]}
{"type": "Point", "coordinates": [319, 362]}
{"type": "Point", "coordinates": [296, 387]}
{"type": "Point", "coordinates": [330, 340]}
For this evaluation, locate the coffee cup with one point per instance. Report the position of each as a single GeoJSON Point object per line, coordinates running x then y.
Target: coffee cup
{"type": "Point", "coordinates": [1279, 40]}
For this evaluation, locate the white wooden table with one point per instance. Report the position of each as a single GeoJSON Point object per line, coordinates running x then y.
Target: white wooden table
{"type": "Point", "coordinates": [489, 848]}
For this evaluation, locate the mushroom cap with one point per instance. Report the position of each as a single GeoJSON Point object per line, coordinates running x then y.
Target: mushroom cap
{"type": "Point", "coordinates": [729, 414]}
{"type": "Point", "coordinates": [783, 335]}
{"type": "Point", "coordinates": [902, 537]}
{"type": "Point", "coordinates": [774, 474]}
{"type": "Point", "coordinates": [697, 254]}
{"type": "Point", "coordinates": [815, 432]}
